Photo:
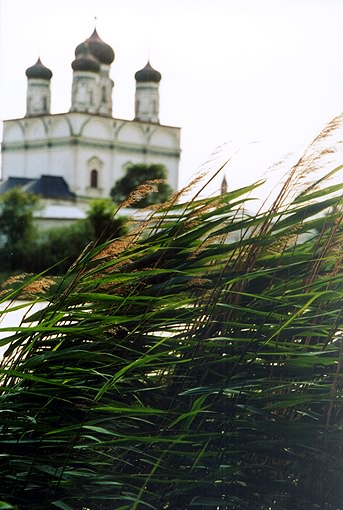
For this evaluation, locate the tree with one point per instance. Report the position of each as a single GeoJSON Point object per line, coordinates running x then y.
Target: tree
{"type": "Point", "coordinates": [16, 215]}
{"type": "Point", "coordinates": [28, 249]}
{"type": "Point", "coordinates": [137, 175]}
{"type": "Point", "coordinates": [17, 227]}
{"type": "Point", "coordinates": [59, 247]}
{"type": "Point", "coordinates": [101, 217]}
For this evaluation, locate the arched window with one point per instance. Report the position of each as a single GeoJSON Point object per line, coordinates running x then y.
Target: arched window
{"type": "Point", "coordinates": [94, 179]}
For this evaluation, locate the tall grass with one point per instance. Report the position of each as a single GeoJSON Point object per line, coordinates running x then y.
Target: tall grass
{"type": "Point", "coordinates": [193, 363]}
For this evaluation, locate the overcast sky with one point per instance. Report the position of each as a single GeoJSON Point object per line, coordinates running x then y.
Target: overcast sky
{"type": "Point", "coordinates": [233, 71]}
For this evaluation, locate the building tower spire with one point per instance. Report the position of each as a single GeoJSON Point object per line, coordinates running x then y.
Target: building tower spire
{"type": "Point", "coordinates": [223, 187]}
{"type": "Point", "coordinates": [147, 98]}
{"type": "Point", "coordinates": [94, 48]}
{"type": "Point", "coordinates": [38, 90]}
{"type": "Point", "coordinates": [84, 94]}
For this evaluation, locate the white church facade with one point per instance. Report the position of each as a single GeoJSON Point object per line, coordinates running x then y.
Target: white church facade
{"type": "Point", "coordinates": [87, 147]}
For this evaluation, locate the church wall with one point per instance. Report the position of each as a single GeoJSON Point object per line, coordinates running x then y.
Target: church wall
{"type": "Point", "coordinates": [14, 163]}
{"type": "Point", "coordinates": [37, 162]}
{"type": "Point", "coordinates": [61, 162]}
{"type": "Point", "coordinates": [48, 161]}
{"type": "Point", "coordinates": [88, 159]}
{"type": "Point", "coordinates": [64, 144]}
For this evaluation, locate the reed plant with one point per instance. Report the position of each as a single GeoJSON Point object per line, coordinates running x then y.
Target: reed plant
{"type": "Point", "coordinates": [194, 363]}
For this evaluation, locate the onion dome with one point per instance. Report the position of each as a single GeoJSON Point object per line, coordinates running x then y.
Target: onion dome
{"type": "Point", "coordinates": [99, 49]}
{"type": "Point", "coordinates": [148, 74]}
{"type": "Point", "coordinates": [85, 61]}
{"type": "Point", "coordinates": [39, 71]}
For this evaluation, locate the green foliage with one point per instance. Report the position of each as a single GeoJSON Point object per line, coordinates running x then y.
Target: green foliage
{"type": "Point", "coordinates": [195, 366]}
{"type": "Point", "coordinates": [27, 248]}
{"type": "Point", "coordinates": [101, 217]}
{"type": "Point", "coordinates": [17, 229]}
{"type": "Point", "coordinates": [16, 215]}
{"type": "Point", "coordinates": [137, 175]}
{"type": "Point", "coordinates": [59, 247]}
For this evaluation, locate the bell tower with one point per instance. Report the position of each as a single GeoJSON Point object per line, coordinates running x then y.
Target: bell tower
{"type": "Point", "coordinates": [147, 98]}
{"type": "Point", "coordinates": [38, 90]}
{"type": "Point", "coordinates": [103, 54]}
{"type": "Point", "coordinates": [85, 87]}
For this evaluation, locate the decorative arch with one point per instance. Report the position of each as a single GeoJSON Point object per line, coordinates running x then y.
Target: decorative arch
{"type": "Point", "coordinates": [35, 129]}
{"type": "Point", "coordinates": [99, 129]}
{"type": "Point", "coordinates": [13, 132]}
{"type": "Point", "coordinates": [95, 170]}
{"type": "Point", "coordinates": [163, 137]}
{"type": "Point", "coordinates": [59, 127]}
{"type": "Point", "coordinates": [131, 133]}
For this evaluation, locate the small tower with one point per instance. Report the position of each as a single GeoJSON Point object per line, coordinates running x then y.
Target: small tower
{"type": "Point", "coordinates": [85, 87]}
{"type": "Point", "coordinates": [223, 187]}
{"type": "Point", "coordinates": [38, 90]}
{"type": "Point", "coordinates": [147, 99]}
{"type": "Point", "coordinates": [104, 55]}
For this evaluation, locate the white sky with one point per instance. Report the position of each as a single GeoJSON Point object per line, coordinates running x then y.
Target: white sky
{"type": "Point", "coordinates": [269, 71]}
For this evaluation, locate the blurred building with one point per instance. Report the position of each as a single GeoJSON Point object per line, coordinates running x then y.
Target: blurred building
{"type": "Point", "coordinates": [80, 154]}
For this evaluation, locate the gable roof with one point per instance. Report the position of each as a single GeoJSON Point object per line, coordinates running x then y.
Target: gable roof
{"type": "Point", "coordinates": [50, 186]}
{"type": "Point", "coordinates": [13, 182]}
{"type": "Point", "coordinates": [47, 186]}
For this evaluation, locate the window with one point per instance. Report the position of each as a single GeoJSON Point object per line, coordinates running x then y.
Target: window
{"type": "Point", "coordinates": [94, 179]}
{"type": "Point", "coordinates": [94, 174]}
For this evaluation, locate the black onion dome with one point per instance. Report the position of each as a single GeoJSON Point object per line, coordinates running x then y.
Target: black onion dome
{"type": "Point", "coordinates": [148, 73]}
{"type": "Point", "coordinates": [85, 61]}
{"type": "Point", "coordinates": [39, 71]}
{"type": "Point", "coordinates": [99, 49]}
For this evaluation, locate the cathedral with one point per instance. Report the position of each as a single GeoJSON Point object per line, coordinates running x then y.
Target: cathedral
{"type": "Point", "coordinates": [79, 155]}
